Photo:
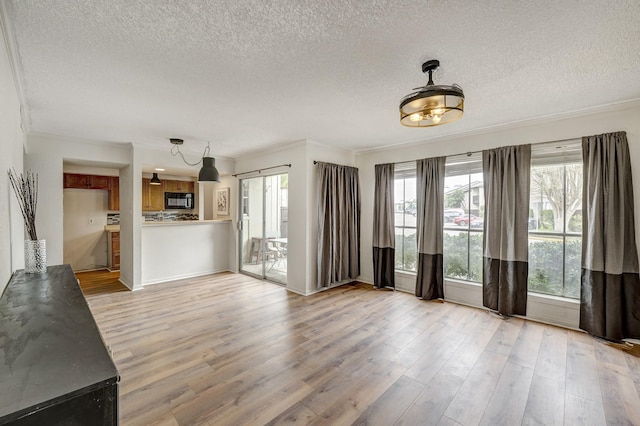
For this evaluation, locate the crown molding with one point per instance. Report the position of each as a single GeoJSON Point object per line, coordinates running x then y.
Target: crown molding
{"type": "Point", "coordinates": [13, 55]}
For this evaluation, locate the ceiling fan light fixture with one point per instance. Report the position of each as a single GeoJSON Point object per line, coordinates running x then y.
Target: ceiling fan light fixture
{"type": "Point", "coordinates": [432, 105]}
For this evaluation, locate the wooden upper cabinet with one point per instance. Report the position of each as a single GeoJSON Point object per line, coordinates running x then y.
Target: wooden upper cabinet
{"type": "Point", "coordinates": [74, 180]}
{"type": "Point", "coordinates": [114, 193]}
{"type": "Point", "coordinates": [146, 194]}
{"type": "Point", "coordinates": [110, 183]}
{"type": "Point", "coordinates": [178, 186]}
{"type": "Point", "coordinates": [99, 182]}
{"type": "Point", "coordinates": [188, 186]}
{"type": "Point", "coordinates": [152, 196]}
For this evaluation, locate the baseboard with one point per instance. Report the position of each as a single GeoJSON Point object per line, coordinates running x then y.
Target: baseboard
{"type": "Point", "coordinates": [319, 290]}
{"type": "Point", "coordinates": [553, 310]}
{"type": "Point", "coordinates": [127, 284]}
{"type": "Point", "coordinates": [185, 276]}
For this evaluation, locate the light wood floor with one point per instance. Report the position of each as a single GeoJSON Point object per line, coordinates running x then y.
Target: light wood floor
{"type": "Point", "coordinates": [231, 350]}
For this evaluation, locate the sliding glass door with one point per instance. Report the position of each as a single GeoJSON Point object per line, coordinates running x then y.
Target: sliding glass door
{"type": "Point", "coordinates": [263, 230]}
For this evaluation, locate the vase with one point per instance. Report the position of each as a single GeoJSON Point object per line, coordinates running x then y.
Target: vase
{"type": "Point", "coordinates": [35, 256]}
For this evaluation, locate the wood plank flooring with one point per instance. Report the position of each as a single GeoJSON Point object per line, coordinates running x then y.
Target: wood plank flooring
{"type": "Point", "coordinates": [228, 349]}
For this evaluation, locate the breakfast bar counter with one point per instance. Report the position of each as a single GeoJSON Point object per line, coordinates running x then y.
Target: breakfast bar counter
{"type": "Point", "coordinates": [183, 249]}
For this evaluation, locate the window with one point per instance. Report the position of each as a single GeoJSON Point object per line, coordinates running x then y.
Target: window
{"type": "Point", "coordinates": [463, 217]}
{"type": "Point", "coordinates": [405, 207]}
{"type": "Point", "coordinates": [245, 197]}
{"type": "Point", "coordinates": [555, 221]}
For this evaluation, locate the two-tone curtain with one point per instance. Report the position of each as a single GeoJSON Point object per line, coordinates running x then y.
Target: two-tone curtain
{"type": "Point", "coordinates": [506, 172]}
{"type": "Point", "coordinates": [338, 191]}
{"type": "Point", "coordinates": [430, 216]}
{"type": "Point", "coordinates": [384, 251]}
{"type": "Point", "coordinates": [610, 285]}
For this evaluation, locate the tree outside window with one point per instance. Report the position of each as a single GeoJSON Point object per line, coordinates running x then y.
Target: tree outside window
{"type": "Point", "coordinates": [555, 226]}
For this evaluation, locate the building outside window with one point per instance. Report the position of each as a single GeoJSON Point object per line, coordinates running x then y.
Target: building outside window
{"type": "Point", "coordinates": [463, 217]}
{"type": "Point", "coordinates": [555, 219]}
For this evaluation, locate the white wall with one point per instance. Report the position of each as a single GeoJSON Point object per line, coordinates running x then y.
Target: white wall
{"type": "Point", "coordinates": [90, 170]}
{"type": "Point", "coordinates": [603, 120]}
{"type": "Point", "coordinates": [12, 141]}
{"type": "Point", "coordinates": [302, 198]}
{"type": "Point", "coordinates": [296, 154]}
{"type": "Point", "coordinates": [130, 221]}
{"type": "Point", "coordinates": [85, 216]}
{"type": "Point", "coordinates": [207, 201]}
{"type": "Point", "coordinates": [183, 250]}
{"type": "Point", "coordinates": [46, 155]}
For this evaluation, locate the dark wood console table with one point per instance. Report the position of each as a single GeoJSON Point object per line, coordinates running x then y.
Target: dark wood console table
{"type": "Point", "coordinates": [54, 365]}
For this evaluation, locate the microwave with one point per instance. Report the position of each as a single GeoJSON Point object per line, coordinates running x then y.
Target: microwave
{"type": "Point", "coordinates": [178, 200]}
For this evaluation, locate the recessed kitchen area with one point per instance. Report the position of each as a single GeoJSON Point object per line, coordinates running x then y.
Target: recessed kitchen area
{"type": "Point", "coordinates": [181, 233]}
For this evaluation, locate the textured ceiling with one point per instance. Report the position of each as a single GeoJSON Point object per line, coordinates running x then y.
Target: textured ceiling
{"type": "Point", "coordinates": [249, 74]}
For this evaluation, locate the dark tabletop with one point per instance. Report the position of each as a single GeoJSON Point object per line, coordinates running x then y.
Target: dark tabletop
{"type": "Point", "coordinates": [50, 347]}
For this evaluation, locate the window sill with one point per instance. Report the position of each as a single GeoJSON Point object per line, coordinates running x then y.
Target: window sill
{"type": "Point", "coordinates": [461, 282]}
{"type": "Point", "coordinates": [553, 300]}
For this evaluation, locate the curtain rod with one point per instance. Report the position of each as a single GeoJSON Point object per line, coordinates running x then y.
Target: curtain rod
{"type": "Point", "coordinates": [260, 170]}
{"type": "Point", "coordinates": [468, 153]}
{"type": "Point", "coordinates": [316, 162]}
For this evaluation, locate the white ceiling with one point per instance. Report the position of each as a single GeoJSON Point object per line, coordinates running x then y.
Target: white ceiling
{"type": "Point", "coordinates": [249, 74]}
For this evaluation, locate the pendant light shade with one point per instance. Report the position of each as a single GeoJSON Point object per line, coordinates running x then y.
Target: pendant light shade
{"type": "Point", "coordinates": [432, 104]}
{"type": "Point", "coordinates": [155, 180]}
{"type": "Point", "coordinates": [208, 172]}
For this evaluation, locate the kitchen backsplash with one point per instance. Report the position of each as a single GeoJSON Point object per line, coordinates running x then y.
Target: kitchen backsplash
{"type": "Point", "coordinates": [168, 216]}
{"type": "Point", "coordinates": [114, 218]}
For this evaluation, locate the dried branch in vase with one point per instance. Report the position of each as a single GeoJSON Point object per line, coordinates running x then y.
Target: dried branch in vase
{"type": "Point", "coordinates": [26, 189]}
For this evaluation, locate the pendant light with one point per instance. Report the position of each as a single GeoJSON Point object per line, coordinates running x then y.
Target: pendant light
{"type": "Point", "coordinates": [208, 172]}
{"type": "Point", "coordinates": [155, 180]}
{"type": "Point", "coordinates": [432, 104]}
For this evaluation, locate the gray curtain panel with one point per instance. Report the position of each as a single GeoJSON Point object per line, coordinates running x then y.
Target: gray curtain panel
{"type": "Point", "coordinates": [384, 252]}
{"type": "Point", "coordinates": [430, 193]}
{"type": "Point", "coordinates": [506, 172]}
{"type": "Point", "coordinates": [610, 285]}
{"type": "Point", "coordinates": [338, 190]}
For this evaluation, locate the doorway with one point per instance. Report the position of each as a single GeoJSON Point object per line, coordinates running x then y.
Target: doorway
{"type": "Point", "coordinates": [264, 227]}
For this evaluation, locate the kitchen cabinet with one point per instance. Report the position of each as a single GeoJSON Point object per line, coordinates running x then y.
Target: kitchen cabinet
{"type": "Point", "coordinates": [99, 182]}
{"type": "Point", "coordinates": [152, 196]}
{"type": "Point", "coordinates": [114, 194]}
{"type": "Point", "coordinates": [74, 180]}
{"type": "Point", "coordinates": [178, 186]}
{"type": "Point", "coordinates": [113, 251]}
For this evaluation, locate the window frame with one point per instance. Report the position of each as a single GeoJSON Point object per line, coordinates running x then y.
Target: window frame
{"type": "Point", "coordinates": [404, 172]}
{"type": "Point", "coordinates": [570, 156]}
{"type": "Point", "coordinates": [465, 165]}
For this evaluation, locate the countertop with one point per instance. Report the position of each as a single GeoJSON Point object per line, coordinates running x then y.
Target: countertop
{"type": "Point", "coordinates": [184, 222]}
{"type": "Point", "coordinates": [116, 228]}
{"type": "Point", "coordinates": [51, 347]}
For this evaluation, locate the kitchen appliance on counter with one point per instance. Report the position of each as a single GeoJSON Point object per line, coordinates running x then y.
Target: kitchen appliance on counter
{"type": "Point", "coordinates": [178, 200]}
